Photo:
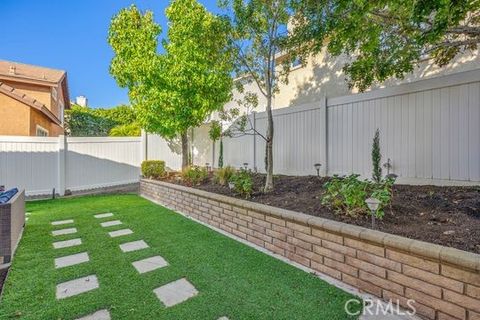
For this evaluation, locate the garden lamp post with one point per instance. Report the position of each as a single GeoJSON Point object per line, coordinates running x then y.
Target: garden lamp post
{"type": "Point", "coordinates": [373, 204]}
{"type": "Point", "coordinates": [317, 167]}
{"type": "Point", "coordinates": [388, 165]}
{"type": "Point", "coordinates": [245, 165]}
{"type": "Point", "coordinates": [207, 165]}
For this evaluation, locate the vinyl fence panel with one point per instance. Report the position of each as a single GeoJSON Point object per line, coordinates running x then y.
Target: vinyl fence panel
{"type": "Point", "coordinates": [29, 163]}
{"type": "Point", "coordinates": [102, 162]}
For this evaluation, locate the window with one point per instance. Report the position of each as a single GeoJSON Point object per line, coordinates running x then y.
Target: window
{"type": "Point", "coordinates": [54, 93]}
{"type": "Point", "coordinates": [61, 111]}
{"type": "Point", "coordinates": [297, 63]}
{"type": "Point", "coordinates": [41, 132]}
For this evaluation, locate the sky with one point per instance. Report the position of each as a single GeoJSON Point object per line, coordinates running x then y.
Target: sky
{"type": "Point", "coordinates": [72, 35]}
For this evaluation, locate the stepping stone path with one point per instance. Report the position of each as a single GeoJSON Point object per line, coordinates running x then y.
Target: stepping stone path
{"type": "Point", "coordinates": [175, 292]}
{"type": "Point", "coordinates": [111, 223]}
{"type": "Point", "coordinates": [77, 286]}
{"type": "Point", "coordinates": [133, 246]}
{"type": "Point", "coordinates": [64, 231]}
{"type": "Point", "coordinates": [118, 233]}
{"type": "Point", "coordinates": [99, 315]}
{"type": "Point", "coordinates": [150, 264]}
{"type": "Point", "coordinates": [103, 215]}
{"type": "Point", "coordinates": [71, 260]}
{"type": "Point", "coordinates": [57, 223]}
{"type": "Point", "coordinates": [67, 243]}
{"type": "Point", "coordinates": [170, 294]}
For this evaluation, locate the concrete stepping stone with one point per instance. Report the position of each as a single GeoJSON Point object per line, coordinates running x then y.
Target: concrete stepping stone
{"type": "Point", "coordinates": [103, 314]}
{"type": "Point", "coordinates": [67, 243]}
{"type": "Point", "coordinates": [133, 246]}
{"type": "Point", "coordinates": [119, 233]}
{"type": "Point", "coordinates": [64, 231]}
{"type": "Point", "coordinates": [111, 223]}
{"type": "Point", "coordinates": [149, 264]}
{"type": "Point", "coordinates": [223, 318]}
{"type": "Point", "coordinates": [71, 260]}
{"type": "Point", "coordinates": [76, 287]}
{"type": "Point", "coordinates": [103, 215]}
{"type": "Point", "coordinates": [175, 292]}
{"type": "Point", "coordinates": [60, 222]}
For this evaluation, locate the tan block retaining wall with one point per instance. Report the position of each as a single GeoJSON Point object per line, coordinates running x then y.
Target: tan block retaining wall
{"type": "Point", "coordinates": [444, 282]}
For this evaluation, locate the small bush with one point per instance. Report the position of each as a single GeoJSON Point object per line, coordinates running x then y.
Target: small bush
{"type": "Point", "coordinates": [243, 184]}
{"type": "Point", "coordinates": [195, 175]}
{"type": "Point", "coordinates": [376, 158]}
{"type": "Point", "coordinates": [153, 169]}
{"type": "Point", "coordinates": [222, 176]}
{"type": "Point", "coordinates": [348, 195]}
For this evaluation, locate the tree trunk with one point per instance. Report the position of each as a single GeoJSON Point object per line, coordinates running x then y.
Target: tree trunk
{"type": "Point", "coordinates": [184, 150]}
{"type": "Point", "coordinates": [269, 147]}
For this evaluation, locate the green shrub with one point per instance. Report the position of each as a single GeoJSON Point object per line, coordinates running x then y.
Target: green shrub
{"type": "Point", "coordinates": [195, 175]}
{"type": "Point", "coordinates": [154, 169]}
{"type": "Point", "coordinates": [376, 158]}
{"type": "Point", "coordinates": [222, 176]}
{"type": "Point", "coordinates": [242, 182]}
{"type": "Point", "coordinates": [126, 130]}
{"type": "Point", "coordinates": [347, 195]}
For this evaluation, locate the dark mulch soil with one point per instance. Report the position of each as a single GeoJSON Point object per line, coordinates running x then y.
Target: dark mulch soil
{"type": "Point", "coordinates": [448, 216]}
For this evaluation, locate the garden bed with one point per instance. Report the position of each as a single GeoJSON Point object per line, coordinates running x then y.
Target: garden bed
{"type": "Point", "coordinates": [448, 216]}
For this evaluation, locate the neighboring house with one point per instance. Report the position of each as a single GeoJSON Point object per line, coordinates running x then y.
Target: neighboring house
{"type": "Point", "coordinates": [32, 100]}
{"type": "Point", "coordinates": [322, 75]}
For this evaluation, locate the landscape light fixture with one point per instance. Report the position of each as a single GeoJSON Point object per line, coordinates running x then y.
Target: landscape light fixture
{"type": "Point", "coordinates": [317, 167]}
{"type": "Point", "coordinates": [245, 165]}
{"type": "Point", "coordinates": [388, 165]}
{"type": "Point", "coordinates": [373, 204]}
{"type": "Point", "coordinates": [207, 164]}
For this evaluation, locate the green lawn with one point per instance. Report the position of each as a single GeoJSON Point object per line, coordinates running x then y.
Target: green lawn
{"type": "Point", "coordinates": [233, 279]}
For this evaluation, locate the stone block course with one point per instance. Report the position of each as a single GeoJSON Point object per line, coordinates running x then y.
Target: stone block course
{"type": "Point", "coordinates": [384, 265]}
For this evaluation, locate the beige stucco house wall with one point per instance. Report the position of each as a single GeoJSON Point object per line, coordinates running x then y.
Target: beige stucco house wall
{"type": "Point", "coordinates": [323, 76]}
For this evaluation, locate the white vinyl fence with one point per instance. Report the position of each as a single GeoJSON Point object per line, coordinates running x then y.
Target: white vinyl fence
{"type": "Point", "coordinates": [40, 164]}
{"type": "Point", "coordinates": [430, 130]}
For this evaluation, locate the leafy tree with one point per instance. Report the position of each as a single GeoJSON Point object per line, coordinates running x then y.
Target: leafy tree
{"type": "Point", "coordinates": [83, 122]}
{"type": "Point", "coordinates": [87, 122]}
{"type": "Point", "coordinates": [179, 89]}
{"type": "Point", "coordinates": [259, 29]}
{"type": "Point", "coordinates": [386, 38]}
